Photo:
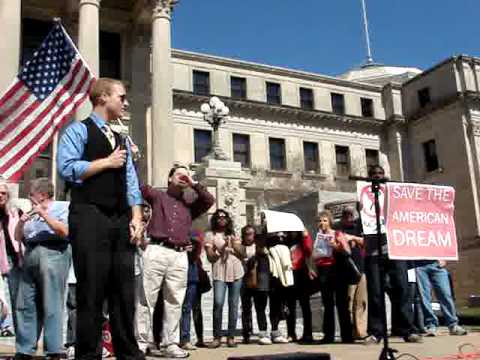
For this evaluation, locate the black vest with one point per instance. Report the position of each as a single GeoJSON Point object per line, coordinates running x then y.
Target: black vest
{"type": "Point", "coordinates": [107, 189]}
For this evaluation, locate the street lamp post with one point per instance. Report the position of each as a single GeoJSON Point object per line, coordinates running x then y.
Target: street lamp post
{"type": "Point", "coordinates": [214, 113]}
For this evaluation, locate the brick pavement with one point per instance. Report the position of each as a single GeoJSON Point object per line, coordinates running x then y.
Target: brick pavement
{"type": "Point", "coordinates": [436, 348]}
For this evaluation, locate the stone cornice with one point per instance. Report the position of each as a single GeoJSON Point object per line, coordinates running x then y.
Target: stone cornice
{"type": "Point", "coordinates": [251, 66]}
{"type": "Point", "coordinates": [283, 110]}
{"type": "Point", "coordinates": [470, 98]}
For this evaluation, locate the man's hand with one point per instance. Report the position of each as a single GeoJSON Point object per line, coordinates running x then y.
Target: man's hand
{"type": "Point", "coordinates": [136, 231]}
{"type": "Point", "coordinates": [186, 181]}
{"type": "Point", "coordinates": [117, 158]}
{"type": "Point", "coordinates": [37, 208]}
{"type": "Point", "coordinates": [24, 218]}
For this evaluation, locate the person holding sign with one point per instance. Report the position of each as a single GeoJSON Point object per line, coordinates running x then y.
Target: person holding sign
{"type": "Point", "coordinates": [330, 250]}
{"type": "Point", "coordinates": [378, 266]}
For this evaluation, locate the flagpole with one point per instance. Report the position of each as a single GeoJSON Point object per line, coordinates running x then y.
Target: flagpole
{"type": "Point", "coordinates": [367, 35]}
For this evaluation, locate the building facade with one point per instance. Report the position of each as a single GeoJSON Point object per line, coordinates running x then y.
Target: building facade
{"type": "Point", "coordinates": [295, 133]}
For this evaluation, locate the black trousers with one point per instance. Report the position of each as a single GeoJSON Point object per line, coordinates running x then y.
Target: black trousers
{"type": "Point", "coordinates": [103, 259]}
{"type": "Point", "coordinates": [278, 300]}
{"type": "Point", "coordinates": [198, 316]}
{"type": "Point", "coordinates": [299, 292]}
{"type": "Point", "coordinates": [259, 300]}
{"type": "Point", "coordinates": [396, 273]}
{"type": "Point", "coordinates": [334, 290]}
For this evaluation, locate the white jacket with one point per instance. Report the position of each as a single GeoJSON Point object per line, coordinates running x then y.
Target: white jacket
{"type": "Point", "coordinates": [280, 263]}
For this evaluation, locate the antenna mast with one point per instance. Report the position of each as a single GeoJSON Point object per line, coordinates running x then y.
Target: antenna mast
{"type": "Point", "coordinates": [367, 35]}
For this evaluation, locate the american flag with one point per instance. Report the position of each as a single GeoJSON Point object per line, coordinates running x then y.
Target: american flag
{"type": "Point", "coordinates": [45, 94]}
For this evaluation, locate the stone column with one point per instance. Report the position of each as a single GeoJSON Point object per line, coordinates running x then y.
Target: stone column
{"type": "Point", "coordinates": [10, 23]}
{"type": "Point", "coordinates": [396, 134]}
{"type": "Point", "coordinates": [162, 130]}
{"type": "Point", "coordinates": [89, 42]}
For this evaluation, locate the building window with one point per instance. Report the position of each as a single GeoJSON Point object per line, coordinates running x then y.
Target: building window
{"type": "Point", "coordinates": [201, 82]}
{"type": "Point", "coordinates": [33, 33]}
{"type": "Point", "coordinates": [367, 107]}
{"type": "Point", "coordinates": [424, 97]}
{"type": "Point", "coordinates": [342, 159]}
{"type": "Point", "coordinates": [110, 54]}
{"type": "Point", "coordinates": [241, 149]}
{"type": "Point", "coordinates": [310, 155]}
{"type": "Point", "coordinates": [306, 98]}
{"type": "Point", "coordinates": [238, 87]}
{"type": "Point", "coordinates": [338, 103]}
{"type": "Point", "coordinates": [372, 158]}
{"type": "Point", "coordinates": [277, 154]}
{"type": "Point", "coordinates": [430, 153]}
{"type": "Point", "coordinates": [274, 95]}
{"type": "Point", "coordinates": [202, 140]}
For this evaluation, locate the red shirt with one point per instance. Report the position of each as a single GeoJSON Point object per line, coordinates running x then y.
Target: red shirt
{"type": "Point", "coordinates": [171, 216]}
{"type": "Point", "coordinates": [302, 251]}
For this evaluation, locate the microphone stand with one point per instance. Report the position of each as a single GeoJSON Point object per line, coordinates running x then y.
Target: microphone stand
{"type": "Point", "coordinates": [387, 352]}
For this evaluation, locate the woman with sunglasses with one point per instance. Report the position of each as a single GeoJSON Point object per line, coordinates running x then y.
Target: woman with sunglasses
{"type": "Point", "coordinates": [223, 252]}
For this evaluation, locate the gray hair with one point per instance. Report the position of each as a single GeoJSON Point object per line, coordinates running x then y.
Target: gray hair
{"type": "Point", "coordinates": [42, 185]}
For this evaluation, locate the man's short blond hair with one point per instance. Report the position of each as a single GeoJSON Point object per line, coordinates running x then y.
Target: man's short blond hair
{"type": "Point", "coordinates": [100, 86]}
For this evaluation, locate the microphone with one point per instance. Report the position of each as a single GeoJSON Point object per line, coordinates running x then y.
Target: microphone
{"type": "Point", "coordinates": [362, 178]}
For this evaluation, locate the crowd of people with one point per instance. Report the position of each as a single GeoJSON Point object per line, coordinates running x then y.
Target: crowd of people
{"type": "Point", "coordinates": [123, 258]}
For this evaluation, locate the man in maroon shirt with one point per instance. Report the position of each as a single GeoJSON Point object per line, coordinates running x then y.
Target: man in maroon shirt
{"type": "Point", "coordinates": [165, 259]}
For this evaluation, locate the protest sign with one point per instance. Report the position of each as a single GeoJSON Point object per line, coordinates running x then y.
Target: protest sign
{"type": "Point", "coordinates": [420, 223]}
{"type": "Point", "coordinates": [367, 207]}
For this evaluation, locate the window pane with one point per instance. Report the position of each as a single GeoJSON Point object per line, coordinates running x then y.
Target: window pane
{"type": "Point", "coordinates": [342, 159]}
{"type": "Point", "coordinates": [306, 98]}
{"type": "Point", "coordinates": [201, 82]}
{"type": "Point", "coordinates": [110, 54]}
{"type": "Point", "coordinates": [367, 107]}
{"type": "Point", "coordinates": [273, 93]}
{"type": "Point", "coordinates": [338, 104]}
{"type": "Point", "coordinates": [241, 149]}
{"type": "Point", "coordinates": [310, 154]}
{"type": "Point", "coordinates": [238, 87]}
{"type": "Point", "coordinates": [202, 144]}
{"type": "Point", "coordinates": [430, 153]}
{"type": "Point", "coordinates": [33, 33]}
{"type": "Point", "coordinates": [424, 97]}
{"type": "Point", "coordinates": [372, 158]}
{"type": "Point", "coordinates": [277, 154]}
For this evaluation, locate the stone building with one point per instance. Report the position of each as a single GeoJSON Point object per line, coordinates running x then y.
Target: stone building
{"type": "Point", "coordinates": [296, 134]}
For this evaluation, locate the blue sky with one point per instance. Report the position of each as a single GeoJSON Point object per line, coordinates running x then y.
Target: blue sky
{"type": "Point", "coordinates": [327, 36]}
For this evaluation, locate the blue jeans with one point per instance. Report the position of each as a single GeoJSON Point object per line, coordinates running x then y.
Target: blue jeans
{"type": "Point", "coordinates": [41, 299]}
{"type": "Point", "coordinates": [432, 275]}
{"type": "Point", "coordinates": [12, 279]}
{"type": "Point", "coordinates": [219, 290]}
{"type": "Point", "coordinates": [187, 306]}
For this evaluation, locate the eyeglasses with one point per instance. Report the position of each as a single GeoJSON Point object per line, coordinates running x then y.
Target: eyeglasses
{"type": "Point", "coordinates": [222, 216]}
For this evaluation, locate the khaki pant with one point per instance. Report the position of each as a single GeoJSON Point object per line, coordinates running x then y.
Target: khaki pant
{"type": "Point", "coordinates": [358, 307]}
{"type": "Point", "coordinates": [168, 269]}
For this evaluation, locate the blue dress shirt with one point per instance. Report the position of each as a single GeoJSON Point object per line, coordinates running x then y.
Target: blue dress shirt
{"type": "Point", "coordinates": [71, 167]}
{"type": "Point", "coordinates": [36, 228]}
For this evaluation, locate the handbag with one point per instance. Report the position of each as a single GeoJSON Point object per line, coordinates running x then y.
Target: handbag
{"type": "Point", "coordinates": [353, 273]}
{"type": "Point", "coordinates": [204, 284]}
{"type": "Point", "coordinates": [251, 280]}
